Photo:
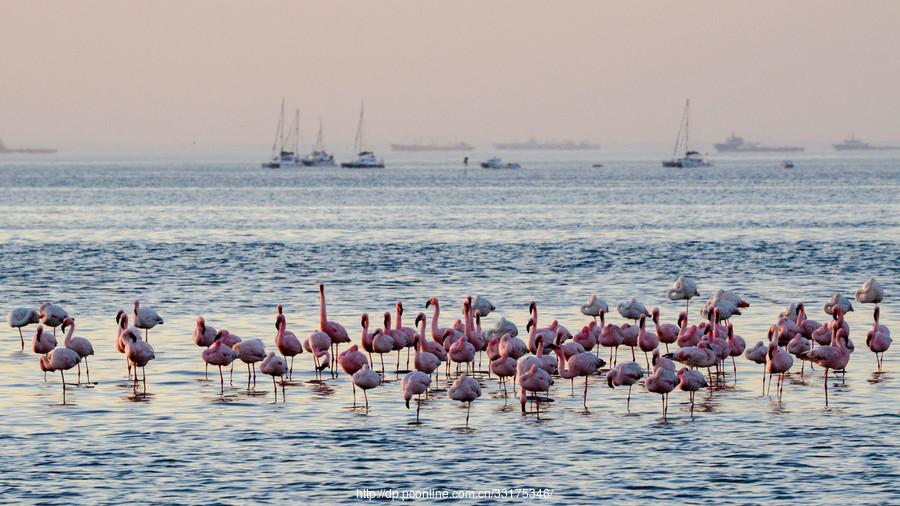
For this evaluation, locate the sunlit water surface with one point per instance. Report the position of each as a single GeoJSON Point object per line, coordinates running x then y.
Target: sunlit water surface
{"type": "Point", "coordinates": [229, 241]}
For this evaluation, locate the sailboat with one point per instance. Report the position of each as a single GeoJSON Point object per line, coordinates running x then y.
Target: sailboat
{"type": "Point", "coordinates": [319, 157]}
{"type": "Point", "coordinates": [690, 158]}
{"type": "Point", "coordinates": [364, 159]}
{"type": "Point", "coordinates": [281, 157]}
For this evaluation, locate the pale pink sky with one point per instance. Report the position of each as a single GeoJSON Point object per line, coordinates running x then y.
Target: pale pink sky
{"type": "Point", "coordinates": [167, 72]}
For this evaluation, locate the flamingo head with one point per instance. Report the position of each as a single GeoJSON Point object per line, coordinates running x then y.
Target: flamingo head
{"type": "Point", "coordinates": [643, 320]}
{"type": "Point", "coordinates": [837, 313]}
{"type": "Point", "coordinates": [387, 320]}
{"type": "Point", "coordinates": [201, 324]}
{"type": "Point", "coordinates": [656, 315]}
{"type": "Point", "coordinates": [68, 320]}
{"type": "Point", "coordinates": [38, 332]}
{"type": "Point", "coordinates": [610, 375]}
{"type": "Point", "coordinates": [44, 363]}
{"type": "Point", "coordinates": [800, 307]}
{"type": "Point", "coordinates": [466, 305]}
{"type": "Point", "coordinates": [119, 314]}
{"type": "Point", "coordinates": [420, 318]}
{"type": "Point", "coordinates": [399, 308]}
{"type": "Point", "coordinates": [495, 341]}
{"type": "Point", "coordinates": [478, 316]}
{"type": "Point", "coordinates": [730, 330]}
{"type": "Point", "coordinates": [529, 325]}
{"type": "Point", "coordinates": [532, 307]}
{"type": "Point", "coordinates": [364, 321]}
{"type": "Point", "coordinates": [280, 322]}
{"type": "Point", "coordinates": [771, 332]}
{"type": "Point", "coordinates": [280, 309]}
{"type": "Point", "coordinates": [682, 316]}
{"type": "Point", "coordinates": [321, 288]}
{"type": "Point", "coordinates": [137, 304]}
{"type": "Point", "coordinates": [877, 313]}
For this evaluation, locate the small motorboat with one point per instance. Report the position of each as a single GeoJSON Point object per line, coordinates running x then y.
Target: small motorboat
{"type": "Point", "coordinates": [497, 163]}
{"type": "Point", "coordinates": [597, 165]}
{"type": "Point", "coordinates": [787, 164]}
{"type": "Point", "coordinates": [364, 160]}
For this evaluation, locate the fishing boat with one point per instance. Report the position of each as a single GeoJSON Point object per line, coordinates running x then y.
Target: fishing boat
{"type": "Point", "coordinates": [364, 159]}
{"type": "Point", "coordinates": [690, 158]}
{"type": "Point", "coordinates": [281, 157]}
{"type": "Point", "coordinates": [497, 163]}
{"type": "Point", "coordinates": [319, 157]}
{"type": "Point", "coordinates": [787, 164]}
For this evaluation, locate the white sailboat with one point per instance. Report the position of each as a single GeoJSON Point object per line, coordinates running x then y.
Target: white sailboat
{"type": "Point", "coordinates": [319, 157]}
{"type": "Point", "coordinates": [281, 157]}
{"type": "Point", "coordinates": [690, 158]}
{"type": "Point", "coordinates": [364, 159]}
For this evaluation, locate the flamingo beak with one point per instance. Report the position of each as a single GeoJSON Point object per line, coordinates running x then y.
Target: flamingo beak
{"type": "Point", "coordinates": [407, 403]}
{"type": "Point", "coordinates": [427, 303]}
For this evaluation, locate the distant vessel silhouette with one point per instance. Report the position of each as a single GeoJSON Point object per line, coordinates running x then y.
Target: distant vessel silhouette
{"type": "Point", "coordinates": [690, 158]}
{"type": "Point", "coordinates": [364, 159]}
{"type": "Point", "coordinates": [548, 146]}
{"type": "Point", "coordinates": [284, 137]}
{"type": "Point", "coordinates": [854, 144]}
{"type": "Point", "coordinates": [25, 151]}
{"type": "Point", "coordinates": [735, 144]}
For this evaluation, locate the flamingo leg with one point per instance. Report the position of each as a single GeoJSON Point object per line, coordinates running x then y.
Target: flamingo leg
{"type": "Point", "coordinates": [22, 338]}
{"type": "Point", "coordinates": [231, 375]}
{"type": "Point", "coordinates": [283, 397]}
{"type": "Point", "coordinates": [585, 392]}
{"type": "Point", "coordinates": [63, 376]}
{"type": "Point", "coordinates": [734, 366]}
{"type": "Point", "coordinates": [275, 387]}
{"type": "Point", "coordinates": [468, 409]}
{"type": "Point", "coordinates": [366, 396]}
{"type": "Point", "coordinates": [87, 369]}
{"type": "Point", "coordinates": [628, 402]}
{"type": "Point", "coordinates": [826, 387]}
{"type": "Point", "coordinates": [291, 370]}
{"type": "Point", "coordinates": [79, 373]}
{"type": "Point", "coordinates": [221, 381]}
{"type": "Point", "coordinates": [764, 381]}
{"type": "Point", "coordinates": [418, 407]}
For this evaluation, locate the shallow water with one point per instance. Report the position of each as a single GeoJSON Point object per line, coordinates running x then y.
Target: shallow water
{"type": "Point", "coordinates": [229, 241]}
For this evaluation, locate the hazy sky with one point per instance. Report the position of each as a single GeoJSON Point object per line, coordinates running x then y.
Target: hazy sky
{"type": "Point", "coordinates": [122, 72]}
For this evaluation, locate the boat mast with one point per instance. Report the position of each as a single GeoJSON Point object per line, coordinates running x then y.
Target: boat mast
{"type": "Point", "coordinates": [320, 144]}
{"type": "Point", "coordinates": [682, 132]}
{"type": "Point", "coordinates": [687, 120]}
{"type": "Point", "coordinates": [278, 130]}
{"type": "Point", "coordinates": [281, 124]}
{"type": "Point", "coordinates": [357, 143]}
{"type": "Point", "coordinates": [297, 132]}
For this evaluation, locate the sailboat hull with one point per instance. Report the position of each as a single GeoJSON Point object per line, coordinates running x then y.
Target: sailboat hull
{"type": "Point", "coordinates": [357, 165]}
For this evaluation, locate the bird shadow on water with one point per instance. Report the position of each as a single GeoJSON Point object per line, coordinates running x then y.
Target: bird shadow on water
{"type": "Point", "coordinates": [879, 377]}
{"type": "Point", "coordinates": [139, 396]}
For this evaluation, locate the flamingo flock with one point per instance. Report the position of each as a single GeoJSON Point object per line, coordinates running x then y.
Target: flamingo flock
{"type": "Point", "coordinates": [533, 362]}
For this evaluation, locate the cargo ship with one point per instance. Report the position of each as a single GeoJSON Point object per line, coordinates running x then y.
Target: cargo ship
{"type": "Point", "coordinates": [735, 144]}
{"type": "Point", "coordinates": [418, 146]}
{"type": "Point", "coordinates": [533, 144]}
{"type": "Point", "coordinates": [24, 151]}
{"type": "Point", "coordinates": [854, 144]}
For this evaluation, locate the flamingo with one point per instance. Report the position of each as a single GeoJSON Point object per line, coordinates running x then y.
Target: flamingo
{"type": "Point", "coordinates": [318, 343]}
{"type": "Point", "coordinates": [659, 361]}
{"type": "Point", "coordinates": [399, 338]}
{"type": "Point", "coordinates": [684, 288]}
{"type": "Point", "coordinates": [647, 341]}
{"type": "Point", "coordinates": [59, 359]}
{"type": "Point", "coordinates": [870, 292]}
{"type": "Point", "coordinates": [351, 361]}
{"type": "Point", "coordinates": [629, 336]}
{"type": "Point", "coordinates": [611, 337]}
{"type": "Point", "coordinates": [410, 332]}
{"type": "Point", "coordinates": [382, 343]}
{"type": "Point", "coordinates": [879, 338]}
{"type": "Point", "coordinates": [807, 326]}
{"type": "Point", "coordinates": [587, 336]}
{"type": "Point", "coordinates": [250, 351]}
{"type": "Point", "coordinates": [786, 329]}
{"type": "Point", "coordinates": [736, 347]}
{"type": "Point", "coordinates": [366, 379]}
{"type": "Point", "coordinates": [667, 332]}
{"type": "Point", "coordinates": [124, 333]}
{"type": "Point", "coordinates": [580, 364]}
{"type": "Point", "coordinates": [336, 332]}
{"type": "Point", "coordinates": [662, 381]}
{"type": "Point", "coordinates": [79, 345]}
{"type": "Point", "coordinates": [273, 365]}
{"type": "Point", "coordinates": [42, 343]}
{"type": "Point", "coordinates": [838, 301]}
{"type": "Point", "coordinates": [465, 389]}
{"type": "Point", "coordinates": [691, 381]}
{"type": "Point", "coordinates": [52, 315]}
{"type": "Point", "coordinates": [424, 360]}
{"type": "Point", "coordinates": [22, 317]}
{"type": "Point", "coordinates": [594, 307]}
{"type": "Point", "coordinates": [625, 374]}
{"type": "Point", "coordinates": [219, 354]}
{"type": "Point", "coordinates": [438, 333]}
{"type": "Point", "coordinates": [415, 383]}
{"type": "Point", "coordinates": [632, 310]}
{"type": "Point", "coordinates": [512, 346]}
{"type": "Point", "coordinates": [366, 339]}
{"type": "Point", "coordinates": [286, 342]}
{"type": "Point", "coordinates": [139, 354]}
{"type": "Point", "coordinates": [462, 351]}
{"type": "Point", "coordinates": [778, 361]}
{"type": "Point", "coordinates": [229, 340]}
{"type": "Point", "coordinates": [482, 305]}
{"type": "Point", "coordinates": [203, 336]}
{"type": "Point", "coordinates": [502, 328]}
{"type": "Point", "coordinates": [548, 332]}
{"type": "Point", "coordinates": [687, 336]}
{"type": "Point", "coordinates": [757, 354]}
{"type": "Point", "coordinates": [503, 365]}
{"type": "Point", "coordinates": [835, 356]}
{"type": "Point", "coordinates": [798, 347]}
{"type": "Point", "coordinates": [698, 356]}
{"type": "Point", "coordinates": [146, 318]}
{"type": "Point", "coordinates": [534, 379]}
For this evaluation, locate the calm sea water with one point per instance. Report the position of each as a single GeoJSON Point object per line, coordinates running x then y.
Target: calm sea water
{"type": "Point", "coordinates": [229, 241]}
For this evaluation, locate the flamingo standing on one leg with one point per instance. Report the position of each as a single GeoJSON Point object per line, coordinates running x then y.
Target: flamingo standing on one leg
{"type": "Point", "coordinates": [465, 389]}
{"type": "Point", "coordinates": [580, 364]}
{"type": "Point", "coordinates": [625, 374]}
{"type": "Point", "coordinates": [662, 381]}
{"type": "Point", "coordinates": [690, 381]}
{"type": "Point", "coordinates": [736, 347]}
{"type": "Point", "coordinates": [139, 354]}
{"type": "Point", "coordinates": [22, 317]}
{"type": "Point", "coordinates": [59, 359]}
{"type": "Point", "coordinates": [273, 365]}
{"type": "Point", "coordinates": [286, 342]}
{"type": "Point", "coordinates": [879, 338]}
{"type": "Point", "coordinates": [79, 345]}
{"type": "Point", "coordinates": [351, 361]}
{"type": "Point", "coordinates": [684, 288]}
{"type": "Point", "coordinates": [203, 336]}
{"type": "Point", "coordinates": [125, 333]}
{"type": "Point", "coordinates": [757, 353]}
{"type": "Point", "coordinates": [146, 318]}
{"type": "Point", "coordinates": [611, 337]}
{"type": "Point", "coordinates": [594, 307]}
{"type": "Point", "coordinates": [250, 351]}
{"type": "Point", "coordinates": [382, 343]}
{"type": "Point", "coordinates": [52, 315]}
{"type": "Point", "coordinates": [647, 341]}
{"type": "Point", "coordinates": [415, 383]}
{"type": "Point", "coordinates": [666, 332]}
{"type": "Point", "coordinates": [778, 361]}
{"type": "Point", "coordinates": [336, 332]}
{"type": "Point", "coordinates": [366, 379]}
{"type": "Point", "coordinates": [318, 343]}
{"type": "Point", "coordinates": [410, 332]}
{"type": "Point", "coordinates": [503, 365]}
{"type": "Point", "coordinates": [424, 360]}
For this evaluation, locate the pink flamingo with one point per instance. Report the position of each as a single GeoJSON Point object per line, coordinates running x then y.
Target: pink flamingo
{"type": "Point", "coordinates": [286, 342]}
{"type": "Point", "coordinates": [382, 343]}
{"type": "Point", "coordinates": [662, 381]}
{"type": "Point", "coordinates": [79, 345]}
{"type": "Point", "coordinates": [690, 381]}
{"type": "Point", "coordinates": [835, 356]}
{"type": "Point", "coordinates": [59, 359]}
{"type": "Point", "coordinates": [410, 332]}
{"type": "Point", "coordinates": [22, 317]}
{"type": "Point", "coordinates": [534, 379]}
{"type": "Point", "coordinates": [629, 337]}
{"type": "Point", "coordinates": [146, 318]}
{"type": "Point", "coordinates": [879, 338]}
{"type": "Point", "coordinates": [139, 354]}
{"type": "Point", "coordinates": [548, 333]}
{"type": "Point", "coordinates": [595, 307]}
{"type": "Point", "coordinates": [438, 333]}
{"type": "Point", "coordinates": [647, 341]}
{"type": "Point", "coordinates": [366, 379]}
{"type": "Point", "coordinates": [778, 361]}
{"type": "Point", "coordinates": [124, 333]}
{"type": "Point", "coordinates": [52, 315]}
{"type": "Point", "coordinates": [611, 337]}
{"type": "Point", "coordinates": [687, 336]}
{"type": "Point", "coordinates": [667, 332]}
{"type": "Point", "coordinates": [625, 374]}
{"type": "Point", "coordinates": [335, 331]}
{"type": "Point", "coordinates": [700, 356]}
{"type": "Point", "coordinates": [512, 346]}
{"type": "Point", "coordinates": [351, 361]}
{"type": "Point", "coordinates": [736, 347]}
{"type": "Point", "coordinates": [757, 354]}
{"type": "Point", "coordinates": [462, 351]}
{"type": "Point", "coordinates": [366, 339]}
{"type": "Point", "coordinates": [219, 355]}
{"type": "Point", "coordinates": [424, 361]}
{"type": "Point", "coordinates": [503, 365]}
{"type": "Point", "coordinates": [42, 343]}
{"type": "Point", "coordinates": [798, 347]}
{"type": "Point", "coordinates": [580, 364]}
{"type": "Point", "coordinates": [203, 336]}
{"type": "Point", "coordinates": [273, 365]}
{"type": "Point", "coordinates": [465, 389]}
{"type": "Point", "coordinates": [534, 334]}
{"type": "Point", "coordinates": [229, 340]}
{"type": "Point", "coordinates": [807, 326]}
{"type": "Point", "coordinates": [399, 337]}
{"type": "Point", "coordinates": [587, 336]}
{"type": "Point", "coordinates": [684, 288]}
{"type": "Point", "coordinates": [250, 351]}
{"type": "Point", "coordinates": [318, 343]}
{"type": "Point", "coordinates": [659, 361]}
{"type": "Point", "coordinates": [415, 383]}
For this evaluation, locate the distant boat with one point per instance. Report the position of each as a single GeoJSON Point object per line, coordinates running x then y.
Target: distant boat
{"type": "Point", "coordinates": [854, 144]}
{"type": "Point", "coordinates": [319, 157]}
{"type": "Point", "coordinates": [787, 164]}
{"type": "Point", "coordinates": [281, 157]}
{"type": "Point", "coordinates": [690, 158]}
{"type": "Point", "coordinates": [497, 163]}
{"type": "Point", "coordinates": [532, 144]}
{"type": "Point", "coordinates": [25, 151]}
{"type": "Point", "coordinates": [735, 144]}
{"type": "Point", "coordinates": [364, 159]}
{"type": "Point", "coordinates": [416, 146]}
